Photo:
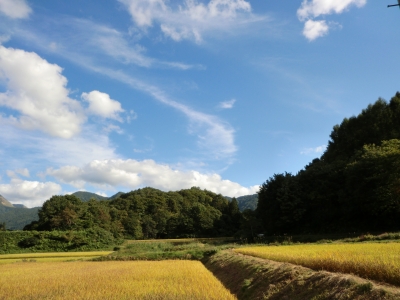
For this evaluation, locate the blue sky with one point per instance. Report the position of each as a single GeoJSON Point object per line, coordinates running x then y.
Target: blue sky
{"type": "Point", "coordinates": [115, 95]}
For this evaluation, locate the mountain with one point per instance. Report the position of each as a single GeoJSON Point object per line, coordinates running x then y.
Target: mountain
{"type": "Point", "coordinates": [19, 206]}
{"type": "Point", "coordinates": [5, 202]}
{"type": "Point", "coordinates": [246, 202]}
{"type": "Point", "coordinates": [16, 216]}
{"type": "Point", "coordinates": [86, 196]}
{"type": "Point", "coordinates": [117, 195]}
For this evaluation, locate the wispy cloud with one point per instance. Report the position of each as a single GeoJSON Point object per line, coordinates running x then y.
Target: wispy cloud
{"type": "Point", "coordinates": [191, 19]}
{"type": "Point", "coordinates": [227, 104]}
{"type": "Point", "coordinates": [316, 150]}
{"type": "Point", "coordinates": [98, 40]}
{"type": "Point", "coordinates": [214, 135]}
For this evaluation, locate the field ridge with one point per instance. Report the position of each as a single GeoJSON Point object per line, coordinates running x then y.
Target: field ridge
{"type": "Point", "coordinates": [255, 278]}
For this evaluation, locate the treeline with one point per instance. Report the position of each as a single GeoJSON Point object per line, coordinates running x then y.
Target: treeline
{"type": "Point", "coordinates": [56, 241]}
{"type": "Point", "coordinates": [354, 186]}
{"type": "Point", "coordinates": [145, 213]}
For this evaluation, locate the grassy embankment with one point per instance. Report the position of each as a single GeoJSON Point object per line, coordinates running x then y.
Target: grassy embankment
{"type": "Point", "coordinates": [176, 279]}
{"type": "Point", "coordinates": [253, 278]}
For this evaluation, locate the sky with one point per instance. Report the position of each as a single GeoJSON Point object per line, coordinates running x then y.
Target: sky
{"type": "Point", "coordinates": [115, 95]}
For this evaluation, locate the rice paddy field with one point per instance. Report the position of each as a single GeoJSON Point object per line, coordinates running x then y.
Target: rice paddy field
{"type": "Point", "coordinates": [47, 257]}
{"type": "Point", "coordinates": [169, 279]}
{"type": "Point", "coordinates": [376, 261]}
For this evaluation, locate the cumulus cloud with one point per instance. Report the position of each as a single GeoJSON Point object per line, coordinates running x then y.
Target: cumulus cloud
{"type": "Point", "coordinates": [190, 19]}
{"type": "Point", "coordinates": [29, 193]}
{"type": "Point", "coordinates": [15, 9]}
{"type": "Point", "coordinates": [315, 29]}
{"type": "Point", "coordinates": [316, 150]}
{"type": "Point", "coordinates": [311, 9]}
{"type": "Point", "coordinates": [102, 105]}
{"type": "Point", "coordinates": [134, 174]}
{"type": "Point", "coordinates": [227, 104]}
{"type": "Point", "coordinates": [37, 90]}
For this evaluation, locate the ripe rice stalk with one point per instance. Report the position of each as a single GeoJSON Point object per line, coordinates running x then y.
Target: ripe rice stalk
{"type": "Point", "coordinates": [377, 261]}
{"type": "Point", "coordinates": [176, 279]}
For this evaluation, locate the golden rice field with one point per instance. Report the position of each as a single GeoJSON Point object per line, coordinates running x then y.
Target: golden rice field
{"type": "Point", "coordinates": [177, 279]}
{"type": "Point", "coordinates": [377, 261]}
{"type": "Point", "coordinates": [55, 256]}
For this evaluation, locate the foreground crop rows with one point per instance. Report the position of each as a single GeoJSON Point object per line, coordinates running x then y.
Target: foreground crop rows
{"type": "Point", "coordinates": [378, 261]}
{"type": "Point", "coordinates": [110, 280]}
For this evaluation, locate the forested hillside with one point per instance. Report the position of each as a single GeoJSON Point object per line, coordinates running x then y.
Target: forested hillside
{"type": "Point", "coordinates": [144, 213]}
{"type": "Point", "coordinates": [354, 186]}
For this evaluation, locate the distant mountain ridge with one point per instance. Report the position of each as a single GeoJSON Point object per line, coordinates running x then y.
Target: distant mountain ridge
{"type": "Point", "coordinates": [86, 196]}
{"type": "Point", "coordinates": [16, 216]}
{"type": "Point", "coordinates": [246, 202]}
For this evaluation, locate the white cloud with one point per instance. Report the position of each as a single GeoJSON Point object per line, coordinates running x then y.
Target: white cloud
{"type": "Point", "coordinates": [42, 151]}
{"type": "Point", "coordinates": [190, 19]}
{"type": "Point", "coordinates": [311, 9]}
{"type": "Point", "coordinates": [315, 29]}
{"type": "Point", "coordinates": [29, 193]}
{"type": "Point", "coordinates": [227, 104]}
{"type": "Point", "coordinates": [102, 105]}
{"type": "Point", "coordinates": [15, 9]}
{"type": "Point", "coordinates": [316, 8]}
{"type": "Point", "coordinates": [133, 174]}
{"type": "Point", "coordinates": [316, 150]}
{"type": "Point", "coordinates": [37, 91]}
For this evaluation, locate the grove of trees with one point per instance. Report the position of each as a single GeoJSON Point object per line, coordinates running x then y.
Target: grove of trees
{"type": "Point", "coordinates": [354, 186]}
{"type": "Point", "coordinates": [144, 213]}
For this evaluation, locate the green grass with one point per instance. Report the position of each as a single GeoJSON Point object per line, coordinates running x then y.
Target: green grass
{"type": "Point", "coordinates": [194, 249]}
